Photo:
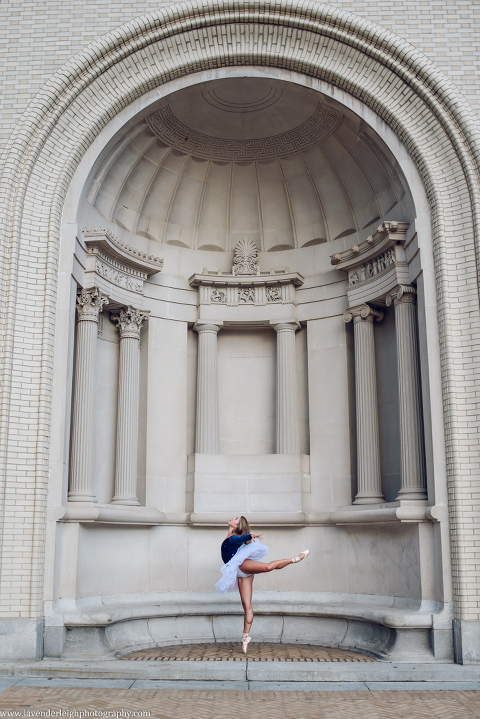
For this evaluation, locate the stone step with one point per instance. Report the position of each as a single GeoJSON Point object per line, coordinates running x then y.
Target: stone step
{"type": "Point", "coordinates": [295, 671]}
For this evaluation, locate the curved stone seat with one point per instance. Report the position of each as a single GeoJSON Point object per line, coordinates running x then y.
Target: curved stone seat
{"type": "Point", "coordinates": [389, 628]}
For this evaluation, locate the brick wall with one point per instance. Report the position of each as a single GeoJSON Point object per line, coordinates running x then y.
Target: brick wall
{"type": "Point", "coordinates": [38, 37]}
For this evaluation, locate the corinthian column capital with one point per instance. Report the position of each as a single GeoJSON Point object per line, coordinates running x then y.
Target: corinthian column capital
{"type": "Point", "coordinates": [362, 313]}
{"type": "Point", "coordinates": [89, 305]}
{"type": "Point", "coordinates": [405, 294]}
{"type": "Point", "coordinates": [129, 322]}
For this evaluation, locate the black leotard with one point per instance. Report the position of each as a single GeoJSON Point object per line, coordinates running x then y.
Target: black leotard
{"type": "Point", "coordinates": [232, 544]}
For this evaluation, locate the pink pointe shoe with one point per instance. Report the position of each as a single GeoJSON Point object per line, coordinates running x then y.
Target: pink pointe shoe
{"type": "Point", "coordinates": [298, 558]}
{"type": "Point", "coordinates": [245, 642]}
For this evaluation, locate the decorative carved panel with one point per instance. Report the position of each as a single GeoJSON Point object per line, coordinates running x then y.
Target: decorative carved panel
{"type": "Point", "coordinates": [376, 265]}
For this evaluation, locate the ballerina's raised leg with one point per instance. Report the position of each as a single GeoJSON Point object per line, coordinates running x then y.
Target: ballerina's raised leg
{"type": "Point", "coordinates": [250, 566]}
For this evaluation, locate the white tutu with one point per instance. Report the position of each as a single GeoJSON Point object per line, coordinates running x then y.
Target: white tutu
{"type": "Point", "coordinates": [228, 582]}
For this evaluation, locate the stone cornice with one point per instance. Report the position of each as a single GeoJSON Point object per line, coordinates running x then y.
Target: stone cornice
{"type": "Point", "coordinates": [117, 269]}
{"type": "Point", "coordinates": [386, 235]}
{"type": "Point", "coordinates": [102, 240]}
{"type": "Point", "coordinates": [266, 279]}
{"type": "Point", "coordinates": [375, 266]}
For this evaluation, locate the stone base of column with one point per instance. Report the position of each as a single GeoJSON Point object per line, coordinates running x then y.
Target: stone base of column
{"type": "Point", "coordinates": [369, 498]}
{"type": "Point", "coordinates": [412, 494]}
{"type": "Point", "coordinates": [125, 499]}
{"type": "Point", "coordinates": [77, 496]}
{"type": "Point", "coordinates": [466, 641]}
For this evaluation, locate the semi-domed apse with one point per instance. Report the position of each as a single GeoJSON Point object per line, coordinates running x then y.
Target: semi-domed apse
{"type": "Point", "coordinates": [258, 158]}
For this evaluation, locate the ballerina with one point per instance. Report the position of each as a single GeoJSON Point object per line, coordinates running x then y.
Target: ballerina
{"type": "Point", "coordinates": [241, 552]}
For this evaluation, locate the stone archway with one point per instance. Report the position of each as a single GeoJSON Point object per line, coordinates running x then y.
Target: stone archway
{"type": "Point", "coordinates": [371, 64]}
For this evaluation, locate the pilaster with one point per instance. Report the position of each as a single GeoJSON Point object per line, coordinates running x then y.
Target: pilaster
{"type": "Point", "coordinates": [206, 431]}
{"type": "Point", "coordinates": [413, 483]}
{"type": "Point", "coordinates": [369, 480]}
{"type": "Point", "coordinates": [89, 305]}
{"type": "Point", "coordinates": [129, 322]}
{"type": "Point", "coordinates": [287, 420]}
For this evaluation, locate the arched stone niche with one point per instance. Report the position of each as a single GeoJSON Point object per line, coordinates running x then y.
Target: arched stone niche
{"type": "Point", "coordinates": [327, 47]}
{"type": "Point", "coordinates": [134, 167]}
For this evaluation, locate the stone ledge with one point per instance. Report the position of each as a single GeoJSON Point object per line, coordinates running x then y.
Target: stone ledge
{"type": "Point", "coordinates": [104, 610]}
{"type": "Point", "coordinates": [85, 513]}
{"type": "Point", "coordinates": [103, 628]}
{"type": "Point", "coordinates": [380, 514]}
{"type": "Point", "coordinates": [211, 671]}
{"type": "Point", "coordinates": [110, 514]}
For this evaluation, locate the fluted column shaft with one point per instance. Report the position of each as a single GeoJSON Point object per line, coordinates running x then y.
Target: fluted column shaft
{"type": "Point", "coordinates": [207, 429]}
{"type": "Point", "coordinates": [129, 322]}
{"type": "Point", "coordinates": [287, 420]}
{"type": "Point", "coordinates": [413, 482]}
{"type": "Point", "coordinates": [89, 305]}
{"type": "Point", "coordinates": [369, 480]}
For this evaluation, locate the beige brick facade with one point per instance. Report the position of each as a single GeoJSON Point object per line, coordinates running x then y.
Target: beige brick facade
{"type": "Point", "coordinates": [83, 93]}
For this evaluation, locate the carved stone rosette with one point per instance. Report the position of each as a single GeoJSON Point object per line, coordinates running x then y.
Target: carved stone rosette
{"type": "Point", "coordinates": [89, 305]}
{"type": "Point", "coordinates": [245, 259]}
{"type": "Point", "coordinates": [369, 480]}
{"type": "Point", "coordinates": [129, 322]}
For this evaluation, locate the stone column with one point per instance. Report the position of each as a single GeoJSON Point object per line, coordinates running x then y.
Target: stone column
{"type": "Point", "coordinates": [206, 430]}
{"type": "Point", "coordinates": [369, 480]}
{"type": "Point", "coordinates": [129, 322]}
{"type": "Point", "coordinates": [89, 305]}
{"type": "Point", "coordinates": [288, 429]}
{"type": "Point", "coordinates": [409, 394]}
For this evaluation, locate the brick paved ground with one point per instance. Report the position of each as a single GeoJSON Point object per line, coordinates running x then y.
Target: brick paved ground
{"type": "Point", "coordinates": [261, 652]}
{"type": "Point", "coordinates": [209, 704]}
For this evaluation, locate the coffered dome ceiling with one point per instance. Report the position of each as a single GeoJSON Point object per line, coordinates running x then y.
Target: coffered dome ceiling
{"type": "Point", "coordinates": [248, 157]}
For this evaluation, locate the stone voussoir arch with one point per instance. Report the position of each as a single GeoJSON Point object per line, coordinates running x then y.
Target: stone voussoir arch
{"type": "Point", "coordinates": [394, 79]}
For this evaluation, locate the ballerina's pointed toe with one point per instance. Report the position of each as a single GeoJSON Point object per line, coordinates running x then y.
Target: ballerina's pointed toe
{"type": "Point", "coordinates": [245, 642]}
{"type": "Point", "coordinates": [299, 558]}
